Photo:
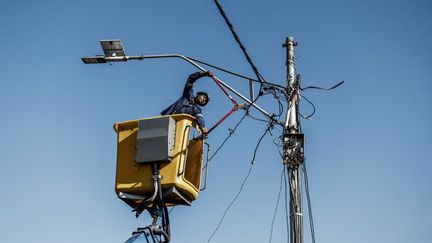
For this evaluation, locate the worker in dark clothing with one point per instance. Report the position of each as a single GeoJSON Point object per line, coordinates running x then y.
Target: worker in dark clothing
{"type": "Point", "coordinates": [190, 104]}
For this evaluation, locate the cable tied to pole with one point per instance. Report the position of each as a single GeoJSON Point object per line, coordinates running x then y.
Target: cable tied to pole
{"type": "Point", "coordinates": [311, 222]}
{"type": "Point", "coordinates": [277, 205]}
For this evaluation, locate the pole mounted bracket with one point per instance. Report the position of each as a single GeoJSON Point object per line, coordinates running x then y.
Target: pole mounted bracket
{"type": "Point", "coordinates": [293, 148]}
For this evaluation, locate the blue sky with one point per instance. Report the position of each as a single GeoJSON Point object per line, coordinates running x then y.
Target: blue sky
{"type": "Point", "coordinates": [368, 145]}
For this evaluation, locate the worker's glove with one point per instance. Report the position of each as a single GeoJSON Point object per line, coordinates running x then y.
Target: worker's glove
{"type": "Point", "coordinates": [204, 133]}
{"type": "Point", "coordinates": [202, 137]}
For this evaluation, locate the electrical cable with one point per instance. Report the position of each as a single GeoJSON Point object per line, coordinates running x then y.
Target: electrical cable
{"type": "Point", "coordinates": [171, 209]}
{"type": "Point", "coordinates": [237, 39]}
{"type": "Point", "coordinates": [260, 78]}
{"type": "Point", "coordinates": [276, 90]}
{"type": "Point", "coordinates": [242, 185]}
{"type": "Point", "coordinates": [281, 95]}
{"type": "Point", "coordinates": [256, 119]}
{"type": "Point", "coordinates": [236, 74]}
{"type": "Point", "coordinates": [277, 205]}
{"type": "Point", "coordinates": [310, 102]}
{"type": "Point", "coordinates": [231, 132]}
{"type": "Point", "coordinates": [311, 222]}
{"type": "Point", "coordinates": [246, 54]}
{"type": "Point", "coordinates": [295, 192]}
{"type": "Point", "coordinates": [320, 88]}
{"type": "Point", "coordinates": [313, 107]}
{"type": "Point", "coordinates": [279, 146]}
{"type": "Point", "coordinates": [231, 203]}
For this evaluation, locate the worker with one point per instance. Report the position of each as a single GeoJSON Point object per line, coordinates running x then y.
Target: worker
{"type": "Point", "coordinates": [190, 104]}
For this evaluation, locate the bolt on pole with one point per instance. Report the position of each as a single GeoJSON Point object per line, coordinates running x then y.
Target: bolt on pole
{"type": "Point", "coordinates": [293, 146]}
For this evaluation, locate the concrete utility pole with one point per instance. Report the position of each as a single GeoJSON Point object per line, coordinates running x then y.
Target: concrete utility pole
{"type": "Point", "coordinates": [293, 142]}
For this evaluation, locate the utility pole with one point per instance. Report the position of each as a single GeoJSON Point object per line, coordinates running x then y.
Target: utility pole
{"type": "Point", "coordinates": [293, 145]}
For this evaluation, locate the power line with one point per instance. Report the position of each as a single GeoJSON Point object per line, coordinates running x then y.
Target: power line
{"type": "Point", "coordinates": [231, 203]}
{"type": "Point", "coordinates": [231, 132]}
{"type": "Point", "coordinates": [242, 185]}
{"type": "Point", "coordinates": [237, 39]}
{"type": "Point", "coordinates": [311, 222]}
{"type": "Point", "coordinates": [277, 205]}
{"type": "Point", "coordinates": [235, 74]}
{"type": "Point", "coordinates": [321, 88]}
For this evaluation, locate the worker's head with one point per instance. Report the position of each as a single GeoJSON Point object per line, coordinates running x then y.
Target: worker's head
{"type": "Point", "coordinates": [202, 98]}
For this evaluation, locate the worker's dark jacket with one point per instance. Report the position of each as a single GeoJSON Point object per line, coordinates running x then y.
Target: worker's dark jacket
{"type": "Point", "coordinates": [186, 103]}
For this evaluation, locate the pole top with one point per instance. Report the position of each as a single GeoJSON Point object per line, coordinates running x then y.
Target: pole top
{"type": "Point", "coordinates": [288, 40]}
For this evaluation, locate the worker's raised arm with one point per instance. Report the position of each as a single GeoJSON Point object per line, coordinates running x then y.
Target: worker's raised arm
{"type": "Point", "coordinates": [200, 121]}
{"type": "Point", "coordinates": [188, 89]}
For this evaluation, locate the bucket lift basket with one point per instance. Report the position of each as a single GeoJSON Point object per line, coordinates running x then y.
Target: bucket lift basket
{"type": "Point", "coordinates": [165, 141]}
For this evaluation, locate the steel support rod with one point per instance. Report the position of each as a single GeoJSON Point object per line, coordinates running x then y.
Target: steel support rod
{"type": "Point", "coordinates": [292, 127]}
{"type": "Point", "coordinates": [249, 102]}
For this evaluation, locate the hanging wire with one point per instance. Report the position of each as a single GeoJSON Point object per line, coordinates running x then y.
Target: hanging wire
{"type": "Point", "coordinates": [321, 88]}
{"type": "Point", "coordinates": [247, 113]}
{"type": "Point", "coordinates": [231, 132]}
{"type": "Point", "coordinates": [285, 170]}
{"type": "Point", "coordinates": [310, 102]}
{"type": "Point", "coordinates": [242, 185]}
{"type": "Point", "coordinates": [311, 222]}
{"type": "Point", "coordinates": [277, 205]}
{"type": "Point", "coordinates": [293, 202]}
{"type": "Point", "coordinates": [256, 119]}
{"type": "Point", "coordinates": [171, 209]}
{"type": "Point", "coordinates": [313, 107]}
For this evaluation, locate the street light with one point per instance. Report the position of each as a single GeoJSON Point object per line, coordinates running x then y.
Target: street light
{"type": "Point", "coordinates": [94, 60]}
{"type": "Point", "coordinates": [113, 50]}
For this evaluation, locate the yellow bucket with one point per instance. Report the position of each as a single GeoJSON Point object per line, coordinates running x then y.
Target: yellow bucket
{"type": "Point", "coordinates": [181, 176]}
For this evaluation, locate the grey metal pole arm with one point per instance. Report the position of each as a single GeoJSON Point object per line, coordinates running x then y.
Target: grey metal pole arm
{"type": "Point", "coordinates": [126, 58]}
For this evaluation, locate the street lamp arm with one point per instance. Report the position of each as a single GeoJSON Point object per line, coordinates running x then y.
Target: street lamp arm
{"type": "Point", "coordinates": [142, 57]}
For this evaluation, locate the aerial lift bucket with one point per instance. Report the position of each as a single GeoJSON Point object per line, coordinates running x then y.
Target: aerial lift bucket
{"type": "Point", "coordinates": [165, 140]}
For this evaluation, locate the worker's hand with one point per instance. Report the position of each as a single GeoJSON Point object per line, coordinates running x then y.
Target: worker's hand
{"type": "Point", "coordinates": [204, 133]}
{"type": "Point", "coordinates": [202, 136]}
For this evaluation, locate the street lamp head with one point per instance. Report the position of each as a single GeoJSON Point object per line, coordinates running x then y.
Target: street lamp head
{"type": "Point", "coordinates": [113, 52]}
{"type": "Point", "coordinates": [94, 60]}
